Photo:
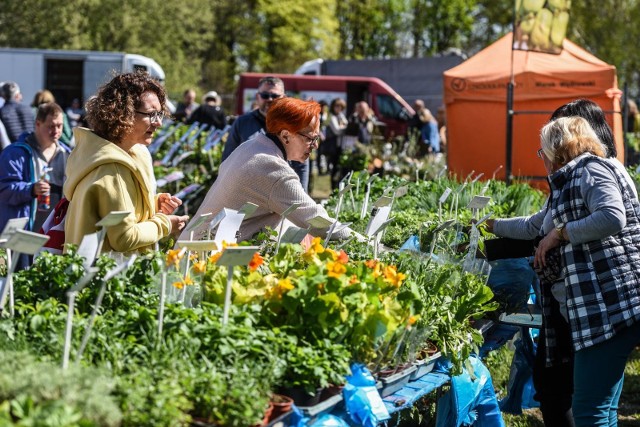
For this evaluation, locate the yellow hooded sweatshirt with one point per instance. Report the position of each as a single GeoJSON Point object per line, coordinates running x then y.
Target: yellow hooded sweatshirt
{"type": "Point", "coordinates": [102, 177]}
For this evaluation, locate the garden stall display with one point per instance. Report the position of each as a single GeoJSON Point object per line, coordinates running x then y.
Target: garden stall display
{"type": "Point", "coordinates": [476, 104]}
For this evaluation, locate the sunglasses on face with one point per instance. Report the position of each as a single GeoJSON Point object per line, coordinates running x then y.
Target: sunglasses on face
{"type": "Point", "coordinates": [267, 95]}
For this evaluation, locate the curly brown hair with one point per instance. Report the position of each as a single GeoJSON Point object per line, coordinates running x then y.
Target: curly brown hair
{"type": "Point", "coordinates": [111, 112]}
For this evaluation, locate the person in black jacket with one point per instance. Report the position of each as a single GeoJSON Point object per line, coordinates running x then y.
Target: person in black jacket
{"type": "Point", "coordinates": [209, 112]}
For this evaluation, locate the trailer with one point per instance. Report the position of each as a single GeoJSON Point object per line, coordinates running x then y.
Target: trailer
{"type": "Point", "coordinates": [411, 78]}
{"type": "Point", "coordinates": [68, 74]}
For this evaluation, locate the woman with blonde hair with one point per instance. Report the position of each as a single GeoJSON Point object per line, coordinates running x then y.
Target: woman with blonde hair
{"type": "Point", "coordinates": [596, 218]}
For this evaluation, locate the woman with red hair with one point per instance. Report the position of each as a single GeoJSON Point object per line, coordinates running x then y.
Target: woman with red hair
{"type": "Point", "coordinates": [258, 172]}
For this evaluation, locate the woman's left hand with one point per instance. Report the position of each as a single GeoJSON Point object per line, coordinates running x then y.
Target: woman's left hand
{"type": "Point", "coordinates": [167, 204]}
{"type": "Point", "coordinates": [550, 241]}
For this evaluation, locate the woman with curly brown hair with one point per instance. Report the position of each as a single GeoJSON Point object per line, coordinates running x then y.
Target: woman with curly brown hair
{"type": "Point", "coordinates": [110, 168]}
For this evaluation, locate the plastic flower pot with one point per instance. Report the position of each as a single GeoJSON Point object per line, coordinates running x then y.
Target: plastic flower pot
{"type": "Point", "coordinates": [281, 404]}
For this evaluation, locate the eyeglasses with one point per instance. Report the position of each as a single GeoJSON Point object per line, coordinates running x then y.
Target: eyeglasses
{"type": "Point", "coordinates": [311, 140]}
{"type": "Point", "coordinates": [267, 95]}
{"type": "Point", "coordinates": [540, 153]}
{"type": "Point", "coordinates": [154, 116]}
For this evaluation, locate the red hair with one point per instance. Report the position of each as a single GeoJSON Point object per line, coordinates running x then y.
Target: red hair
{"type": "Point", "coordinates": [291, 114]}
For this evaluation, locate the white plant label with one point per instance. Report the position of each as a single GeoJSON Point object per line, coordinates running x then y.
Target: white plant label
{"type": "Point", "coordinates": [89, 247]}
{"type": "Point", "coordinates": [113, 218]}
{"type": "Point", "coordinates": [229, 227]}
{"type": "Point", "coordinates": [383, 202]}
{"type": "Point", "coordinates": [240, 255]}
{"type": "Point", "coordinates": [197, 222]}
{"type": "Point", "coordinates": [478, 202]}
{"type": "Point", "coordinates": [198, 245]}
{"type": "Point", "coordinates": [320, 222]}
{"type": "Point", "coordinates": [26, 242]}
{"type": "Point", "coordinates": [248, 209]}
{"type": "Point", "coordinates": [11, 227]}
{"type": "Point", "coordinates": [445, 196]}
{"type": "Point", "coordinates": [294, 235]}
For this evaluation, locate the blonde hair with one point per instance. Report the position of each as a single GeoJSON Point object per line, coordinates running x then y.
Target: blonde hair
{"type": "Point", "coordinates": [566, 138]}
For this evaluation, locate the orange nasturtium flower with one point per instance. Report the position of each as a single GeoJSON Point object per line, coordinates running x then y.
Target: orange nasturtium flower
{"type": "Point", "coordinates": [343, 258]}
{"type": "Point", "coordinates": [392, 276]}
{"type": "Point", "coordinates": [413, 320]}
{"type": "Point", "coordinates": [174, 256]}
{"type": "Point", "coordinates": [182, 283]}
{"type": "Point", "coordinates": [215, 257]}
{"type": "Point", "coordinates": [335, 269]}
{"type": "Point", "coordinates": [371, 263]}
{"type": "Point", "coordinates": [255, 262]}
{"type": "Point", "coordinates": [199, 267]}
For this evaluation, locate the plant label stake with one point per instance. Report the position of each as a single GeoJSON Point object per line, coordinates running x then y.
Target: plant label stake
{"type": "Point", "coordinates": [365, 204]}
{"type": "Point", "coordinates": [380, 213]}
{"type": "Point", "coordinates": [283, 216]}
{"type": "Point", "coordinates": [294, 234]}
{"type": "Point", "coordinates": [457, 198]}
{"type": "Point", "coordinates": [197, 222]}
{"type": "Point", "coordinates": [376, 236]}
{"type": "Point", "coordinates": [320, 223]}
{"type": "Point", "coordinates": [436, 233]}
{"type": "Point", "coordinates": [231, 257]}
{"type": "Point", "coordinates": [477, 178]}
{"type": "Point", "coordinates": [20, 242]}
{"type": "Point", "coordinates": [103, 288]}
{"type": "Point", "coordinates": [12, 226]}
{"type": "Point", "coordinates": [336, 227]}
{"type": "Point", "coordinates": [341, 193]}
{"type": "Point", "coordinates": [441, 201]}
{"type": "Point", "coordinates": [229, 228]}
{"type": "Point", "coordinates": [442, 172]}
{"type": "Point", "coordinates": [495, 172]}
{"type": "Point", "coordinates": [167, 179]}
{"type": "Point", "coordinates": [9, 230]}
{"type": "Point", "coordinates": [477, 203]}
{"type": "Point", "coordinates": [71, 298]}
{"type": "Point", "coordinates": [469, 176]}
{"type": "Point", "coordinates": [248, 209]}
{"type": "Point", "coordinates": [111, 219]}
{"type": "Point", "coordinates": [163, 294]}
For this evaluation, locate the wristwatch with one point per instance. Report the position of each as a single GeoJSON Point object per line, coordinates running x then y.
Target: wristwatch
{"type": "Point", "coordinates": [559, 230]}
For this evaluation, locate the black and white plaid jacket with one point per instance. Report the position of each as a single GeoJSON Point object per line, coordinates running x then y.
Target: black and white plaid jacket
{"type": "Point", "coordinates": [602, 276]}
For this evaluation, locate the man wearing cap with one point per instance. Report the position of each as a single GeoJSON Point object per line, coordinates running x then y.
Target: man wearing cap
{"type": "Point", "coordinates": [209, 112]}
{"type": "Point", "coordinates": [15, 116]}
{"type": "Point", "coordinates": [247, 125]}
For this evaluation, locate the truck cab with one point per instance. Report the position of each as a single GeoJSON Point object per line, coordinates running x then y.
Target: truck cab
{"type": "Point", "coordinates": [391, 110]}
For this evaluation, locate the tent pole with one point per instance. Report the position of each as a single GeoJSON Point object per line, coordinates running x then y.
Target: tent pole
{"type": "Point", "coordinates": [509, 147]}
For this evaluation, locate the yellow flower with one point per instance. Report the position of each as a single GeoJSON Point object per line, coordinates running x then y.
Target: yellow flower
{"type": "Point", "coordinates": [199, 267]}
{"type": "Point", "coordinates": [285, 284]}
{"type": "Point", "coordinates": [392, 276]}
{"type": "Point", "coordinates": [334, 255]}
{"type": "Point", "coordinates": [353, 280]}
{"type": "Point", "coordinates": [335, 269]}
{"type": "Point", "coordinates": [193, 256]}
{"type": "Point", "coordinates": [316, 246]}
{"type": "Point", "coordinates": [187, 280]}
{"type": "Point", "coordinates": [413, 320]}
{"type": "Point", "coordinates": [178, 285]}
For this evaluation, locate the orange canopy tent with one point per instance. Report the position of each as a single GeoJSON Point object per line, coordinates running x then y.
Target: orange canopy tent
{"type": "Point", "coordinates": [476, 105]}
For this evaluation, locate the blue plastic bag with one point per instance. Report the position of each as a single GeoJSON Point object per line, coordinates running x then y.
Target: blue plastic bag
{"type": "Point", "coordinates": [511, 281]}
{"type": "Point", "coordinates": [412, 244]}
{"type": "Point", "coordinates": [520, 389]}
{"type": "Point", "coordinates": [328, 420]}
{"type": "Point", "coordinates": [470, 401]}
{"type": "Point", "coordinates": [362, 399]}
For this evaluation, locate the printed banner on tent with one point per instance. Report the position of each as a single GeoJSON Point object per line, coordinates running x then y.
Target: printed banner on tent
{"type": "Point", "coordinates": [541, 25]}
